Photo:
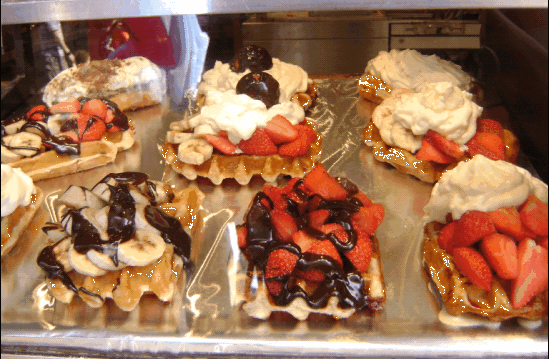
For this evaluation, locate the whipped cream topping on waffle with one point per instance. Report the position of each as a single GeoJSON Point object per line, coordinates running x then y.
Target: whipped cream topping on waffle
{"type": "Point", "coordinates": [17, 189]}
{"type": "Point", "coordinates": [411, 70]}
{"type": "Point", "coordinates": [481, 184]}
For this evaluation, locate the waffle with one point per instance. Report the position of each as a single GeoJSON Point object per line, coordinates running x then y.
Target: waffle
{"type": "Point", "coordinates": [460, 296]}
{"type": "Point", "coordinates": [14, 224]}
{"type": "Point", "coordinates": [127, 285]}
{"type": "Point", "coordinates": [243, 167]}
{"type": "Point", "coordinates": [426, 171]}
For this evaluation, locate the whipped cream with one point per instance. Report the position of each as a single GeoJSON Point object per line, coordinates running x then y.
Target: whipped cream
{"type": "Point", "coordinates": [291, 79]}
{"type": "Point", "coordinates": [17, 189]}
{"type": "Point", "coordinates": [240, 115]}
{"type": "Point", "coordinates": [405, 117]}
{"type": "Point", "coordinates": [411, 70]}
{"type": "Point", "coordinates": [481, 184]}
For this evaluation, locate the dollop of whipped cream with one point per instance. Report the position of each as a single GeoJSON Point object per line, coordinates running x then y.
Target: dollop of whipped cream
{"type": "Point", "coordinates": [17, 189]}
{"type": "Point", "coordinates": [405, 117]}
{"type": "Point", "coordinates": [291, 79]}
{"type": "Point", "coordinates": [481, 184]}
{"type": "Point", "coordinates": [411, 70]}
{"type": "Point", "coordinates": [240, 115]}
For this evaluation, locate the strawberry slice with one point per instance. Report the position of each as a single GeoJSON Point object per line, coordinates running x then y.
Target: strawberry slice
{"type": "Point", "coordinates": [323, 248]}
{"type": "Point", "coordinates": [532, 273]}
{"type": "Point", "coordinates": [471, 228]}
{"type": "Point", "coordinates": [473, 265]}
{"type": "Point", "coordinates": [299, 146]}
{"type": "Point", "coordinates": [361, 254]}
{"type": "Point", "coordinates": [259, 144]}
{"type": "Point", "coordinates": [367, 219]}
{"type": "Point", "coordinates": [289, 188]}
{"type": "Point", "coordinates": [488, 144]}
{"type": "Point", "coordinates": [275, 194]}
{"type": "Point", "coordinates": [486, 125]}
{"type": "Point", "coordinates": [363, 199]}
{"type": "Point", "coordinates": [280, 263]}
{"type": "Point", "coordinates": [303, 240]}
{"type": "Point", "coordinates": [445, 145]}
{"type": "Point", "coordinates": [284, 225]}
{"type": "Point", "coordinates": [280, 130]}
{"type": "Point", "coordinates": [445, 235]}
{"type": "Point", "coordinates": [90, 128]}
{"type": "Point", "coordinates": [66, 106]}
{"type": "Point", "coordinates": [37, 113]}
{"type": "Point", "coordinates": [429, 152]}
{"type": "Point", "coordinates": [542, 241]}
{"type": "Point", "coordinates": [222, 144]}
{"type": "Point", "coordinates": [95, 107]}
{"type": "Point", "coordinates": [533, 215]}
{"type": "Point", "coordinates": [501, 253]}
{"type": "Point", "coordinates": [321, 183]}
{"type": "Point", "coordinates": [242, 235]}
{"type": "Point", "coordinates": [507, 221]}
{"type": "Point", "coordinates": [318, 218]}
{"type": "Point", "coordinates": [337, 229]}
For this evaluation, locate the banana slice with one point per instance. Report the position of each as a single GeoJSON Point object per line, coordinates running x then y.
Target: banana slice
{"type": "Point", "coordinates": [202, 130]}
{"type": "Point", "coordinates": [29, 143]}
{"type": "Point", "coordinates": [103, 261]}
{"type": "Point", "coordinates": [78, 197]}
{"type": "Point", "coordinates": [195, 151]}
{"type": "Point", "coordinates": [161, 192]}
{"type": "Point", "coordinates": [56, 121]}
{"type": "Point", "coordinates": [103, 191]}
{"type": "Point", "coordinates": [61, 252]}
{"type": "Point", "coordinates": [13, 128]}
{"type": "Point", "coordinates": [54, 231]}
{"type": "Point", "coordinates": [180, 125]}
{"type": "Point", "coordinates": [141, 221]}
{"type": "Point", "coordinates": [89, 214]}
{"type": "Point", "coordinates": [80, 263]}
{"type": "Point", "coordinates": [176, 137]}
{"type": "Point", "coordinates": [8, 155]}
{"type": "Point", "coordinates": [102, 217]}
{"type": "Point", "coordinates": [138, 195]}
{"type": "Point", "coordinates": [143, 249]}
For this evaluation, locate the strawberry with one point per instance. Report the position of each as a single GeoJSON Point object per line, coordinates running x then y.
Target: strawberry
{"type": "Point", "coordinates": [532, 273]}
{"type": "Point", "coordinates": [275, 194]}
{"type": "Point", "coordinates": [284, 225]}
{"type": "Point", "coordinates": [507, 221]}
{"type": "Point", "coordinates": [501, 253]}
{"type": "Point", "coordinates": [429, 152]}
{"type": "Point", "coordinates": [367, 219]}
{"type": "Point", "coordinates": [363, 199]}
{"type": "Point", "coordinates": [445, 145]}
{"type": "Point", "coordinates": [95, 107]}
{"type": "Point", "coordinates": [542, 241]}
{"type": "Point", "coordinates": [109, 116]}
{"type": "Point", "coordinates": [318, 218]}
{"type": "Point", "coordinates": [487, 144]}
{"type": "Point", "coordinates": [314, 202]}
{"type": "Point", "coordinates": [309, 132]}
{"type": "Point", "coordinates": [361, 254]}
{"type": "Point", "coordinates": [321, 183]}
{"type": "Point", "coordinates": [67, 106]}
{"type": "Point", "coordinates": [301, 203]}
{"type": "Point", "coordinates": [337, 229]}
{"type": "Point", "coordinates": [473, 265]}
{"type": "Point", "coordinates": [289, 188]}
{"type": "Point", "coordinates": [525, 233]}
{"type": "Point", "coordinates": [297, 147]}
{"type": "Point", "coordinates": [485, 125]}
{"type": "Point", "coordinates": [303, 240]}
{"type": "Point", "coordinates": [280, 130]}
{"type": "Point", "coordinates": [70, 134]}
{"type": "Point", "coordinates": [259, 144]}
{"type": "Point", "coordinates": [222, 144]}
{"type": "Point", "coordinates": [445, 236]}
{"type": "Point", "coordinates": [471, 227]}
{"type": "Point", "coordinates": [242, 235]}
{"type": "Point", "coordinates": [533, 215]}
{"type": "Point", "coordinates": [323, 248]}
{"type": "Point", "coordinates": [37, 113]}
{"type": "Point", "coordinates": [280, 263]}
{"type": "Point", "coordinates": [90, 128]}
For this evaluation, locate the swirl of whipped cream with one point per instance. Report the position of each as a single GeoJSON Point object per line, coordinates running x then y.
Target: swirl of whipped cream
{"type": "Point", "coordinates": [481, 184]}
{"type": "Point", "coordinates": [411, 70]}
{"type": "Point", "coordinates": [291, 79]}
{"type": "Point", "coordinates": [17, 189]}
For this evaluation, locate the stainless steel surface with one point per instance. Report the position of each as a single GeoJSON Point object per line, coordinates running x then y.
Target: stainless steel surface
{"type": "Point", "coordinates": [435, 42]}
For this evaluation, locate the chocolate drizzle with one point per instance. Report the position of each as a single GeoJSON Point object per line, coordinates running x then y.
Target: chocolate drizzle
{"type": "Point", "coordinates": [54, 269]}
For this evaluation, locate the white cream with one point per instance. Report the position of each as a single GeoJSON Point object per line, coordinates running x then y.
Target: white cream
{"type": "Point", "coordinates": [291, 79]}
{"type": "Point", "coordinates": [17, 189]}
{"type": "Point", "coordinates": [481, 184]}
{"type": "Point", "coordinates": [411, 70]}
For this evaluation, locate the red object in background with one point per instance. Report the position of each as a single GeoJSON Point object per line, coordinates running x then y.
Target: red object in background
{"type": "Point", "coordinates": [125, 38]}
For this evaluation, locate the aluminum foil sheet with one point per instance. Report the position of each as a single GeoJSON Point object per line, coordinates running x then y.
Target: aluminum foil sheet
{"type": "Point", "coordinates": [206, 317]}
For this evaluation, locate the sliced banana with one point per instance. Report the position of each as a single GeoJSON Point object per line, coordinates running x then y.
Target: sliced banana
{"type": "Point", "coordinates": [195, 151]}
{"type": "Point", "coordinates": [56, 121]}
{"type": "Point", "coordinates": [103, 191]}
{"type": "Point", "coordinates": [80, 263]}
{"type": "Point", "coordinates": [29, 143]}
{"type": "Point", "coordinates": [141, 221]}
{"type": "Point", "coordinates": [161, 192]}
{"type": "Point", "coordinates": [102, 217]}
{"type": "Point", "coordinates": [66, 222]}
{"type": "Point", "coordinates": [143, 249]}
{"type": "Point", "coordinates": [89, 214]}
{"type": "Point", "coordinates": [202, 130]}
{"type": "Point", "coordinates": [78, 197]}
{"type": "Point", "coordinates": [176, 137]}
{"type": "Point", "coordinates": [103, 261]}
{"type": "Point", "coordinates": [54, 231]}
{"type": "Point", "coordinates": [8, 155]}
{"type": "Point", "coordinates": [13, 128]}
{"type": "Point", "coordinates": [180, 125]}
{"type": "Point", "coordinates": [138, 195]}
{"type": "Point", "coordinates": [61, 252]}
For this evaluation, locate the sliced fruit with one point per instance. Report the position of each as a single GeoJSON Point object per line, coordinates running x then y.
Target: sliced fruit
{"type": "Point", "coordinates": [284, 225]}
{"type": "Point", "coordinates": [507, 221]}
{"type": "Point", "coordinates": [303, 240]}
{"type": "Point", "coordinates": [533, 215]}
{"type": "Point", "coordinates": [532, 273]}
{"type": "Point", "coordinates": [280, 130]}
{"type": "Point", "coordinates": [445, 145]}
{"type": "Point", "coordinates": [222, 144]}
{"type": "Point", "coordinates": [291, 184]}
{"type": "Point", "coordinates": [363, 199]}
{"type": "Point", "coordinates": [323, 248]}
{"type": "Point", "coordinates": [276, 195]}
{"type": "Point", "coordinates": [445, 236]}
{"type": "Point", "coordinates": [471, 228]}
{"type": "Point", "coordinates": [143, 249]}
{"type": "Point", "coordinates": [95, 107]}
{"type": "Point", "coordinates": [367, 219]}
{"type": "Point", "coordinates": [90, 128]}
{"type": "Point", "coordinates": [361, 254]}
{"type": "Point", "coordinates": [488, 144]}
{"type": "Point", "coordinates": [259, 144]}
{"type": "Point", "coordinates": [37, 113]}
{"type": "Point", "coordinates": [318, 218]}
{"type": "Point", "coordinates": [321, 183]}
{"type": "Point", "coordinates": [280, 263]}
{"type": "Point", "coordinates": [242, 235]}
{"type": "Point", "coordinates": [299, 146]}
{"type": "Point", "coordinates": [83, 265]}
{"type": "Point", "coordinates": [542, 241]}
{"type": "Point", "coordinates": [486, 125]}
{"type": "Point", "coordinates": [473, 265]}
{"type": "Point", "coordinates": [501, 253]}
{"type": "Point", "coordinates": [429, 152]}
{"type": "Point", "coordinates": [66, 106]}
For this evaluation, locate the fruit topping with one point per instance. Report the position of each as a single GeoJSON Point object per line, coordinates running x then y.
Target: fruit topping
{"type": "Point", "coordinates": [280, 130]}
{"type": "Point", "coordinates": [445, 145]}
{"type": "Point", "coordinates": [97, 108]}
{"type": "Point", "coordinates": [260, 144]}
{"type": "Point", "coordinates": [321, 183]}
{"type": "Point", "coordinates": [222, 144]}
{"type": "Point", "coordinates": [444, 239]}
{"type": "Point", "coordinates": [260, 86]}
{"type": "Point", "coordinates": [501, 252]}
{"type": "Point", "coordinates": [532, 273]}
{"type": "Point", "coordinates": [429, 152]}
{"type": "Point", "coordinates": [37, 113]}
{"type": "Point", "coordinates": [473, 265]}
{"type": "Point", "coordinates": [67, 106]}
{"type": "Point", "coordinates": [534, 215]}
{"type": "Point", "coordinates": [280, 263]}
{"type": "Point", "coordinates": [471, 228]}
{"type": "Point", "coordinates": [488, 144]}
{"type": "Point", "coordinates": [367, 219]}
{"type": "Point", "coordinates": [300, 145]}
{"type": "Point", "coordinates": [507, 221]}
{"type": "Point", "coordinates": [251, 57]}
{"type": "Point", "coordinates": [489, 126]}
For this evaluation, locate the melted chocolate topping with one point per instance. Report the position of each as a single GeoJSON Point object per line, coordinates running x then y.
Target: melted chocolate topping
{"type": "Point", "coordinates": [54, 269]}
{"type": "Point", "coordinates": [251, 57]}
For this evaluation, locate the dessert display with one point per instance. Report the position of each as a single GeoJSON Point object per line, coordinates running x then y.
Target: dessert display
{"type": "Point", "coordinates": [428, 132]}
{"type": "Point", "coordinates": [132, 83]}
{"type": "Point", "coordinates": [20, 200]}
{"type": "Point", "coordinates": [486, 243]}
{"type": "Point", "coordinates": [123, 238]}
{"type": "Point", "coordinates": [409, 69]}
{"type": "Point", "coordinates": [67, 137]}
{"type": "Point", "coordinates": [313, 249]}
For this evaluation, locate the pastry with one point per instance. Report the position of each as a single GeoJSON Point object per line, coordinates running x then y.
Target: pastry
{"type": "Point", "coordinates": [66, 138]}
{"type": "Point", "coordinates": [408, 69]}
{"type": "Point", "coordinates": [123, 238]}
{"type": "Point", "coordinates": [428, 132]}
{"type": "Point", "coordinates": [131, 83]}
{"type": "Point", "coordinates": [20, 200]}
{"type": "Point", "coordinates": [313, 249]}
{"type": "Point", "coordinates": [486, 243]}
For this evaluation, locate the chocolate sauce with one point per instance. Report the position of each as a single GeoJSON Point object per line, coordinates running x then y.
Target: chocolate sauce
{"type": "Point", "coordinates": [121, 217]}
{"type": "Point", "coordinates": [252, 57]}
{"type": "Point", "coordinates": [260, 86]}
{"type": "Point", "coordinates": [135, 178]}
{"type": "Point", "coordinates": [63, 145]}
{"type": "Point", "coordinates": [54, 269]}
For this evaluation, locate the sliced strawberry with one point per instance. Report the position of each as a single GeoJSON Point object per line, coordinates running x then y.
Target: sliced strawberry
{"type": "Point", "coordinates": [37, 113]}
{"type": "Point", "coordinates": [337, 229]}
{"type": "Point", "coordinates": [361, 254]}
{"type": "Point", "coordinates": [259, 144]}
{"type": "Point", "coordinates": [95, 107]}
{"type": "Point", "coordinates": [318, 218]}
{"type": "Point", "coordinates": [472, 227]}
{"type": "Point", "coordinates": [71, 134]}
{"type": "Point", "coordinates": [90, 128]}
{"type": "Point", "coordinates": [532, 273]}
{"type": "Point", "coordinates": [309, 132]}
{"type": "Point", "coordinates": [445, 145]}
{"type": "Point", "coordinates": [303, 240]}
{"type": "Point", "coordinates": [109, 116]}
{"type": "Point", "coordinates": [489, 126]}
{"type": "Point", "coordinates": [222, 144]}
{"type": "Point", "coordinates": [507, 221]}
{"type": "Point", "coordinates": [275, 194]}
{"type": "Point", "coordinates": [363, 199]}
{"type": "Point", "coordinates": [320, 182]}
{"type": "Point", "coordinates": [314, 202]}
{"type": "Point", "coordinates": [289, 188]}
{"type": "Point", "coordinates": [284, 225]}
{"type": "Point", "coordinates": [280, 130]}
{"type": "Point", "coordinates": [300, 202]}
{"type": "Point", "coordinates": [488, 144]}
{"type": "Point", "coordinates": [444, 239]}
{"type": "Point", "coordinates": [525, 233]}
{"type": "Point", "coordinates": [67, 106]}
{"type": "Point", "coordinates": [473, 265]}
{"type": "Point", "coordinates": [501, 253]}
{"type": "Point", "coordinates": [542, 241]}
{"type": "Point", "coordinates": [323, 248]}
{"type": "Point", "coordinates": [280, 263]}
{"type": "Point", "coordinates": [533, 215]}
{"type": "Point", "coordinates": [367, 219]}
{"type": "Point", "coordinates": [242, 235]}
{"type": "Point", "coordinates": [297, 147]}
{"type": "Point", "coordinates": [429, 152]}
